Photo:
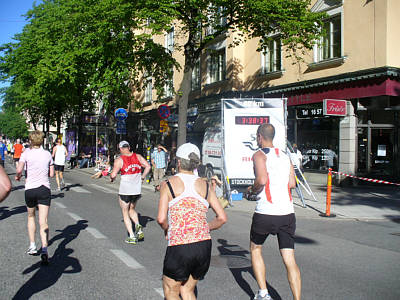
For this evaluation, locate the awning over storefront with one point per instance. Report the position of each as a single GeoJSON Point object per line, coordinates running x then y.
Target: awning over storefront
{"type": "Point", "coordinates": [362, 84]}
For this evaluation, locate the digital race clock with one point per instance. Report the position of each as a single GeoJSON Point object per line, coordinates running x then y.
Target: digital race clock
{"type": "Point", "coordinates": [251, 120]}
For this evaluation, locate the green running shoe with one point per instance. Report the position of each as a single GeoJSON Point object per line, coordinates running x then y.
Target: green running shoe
{"type": "Point", "coordinates": [130, 240]}
{"type": "Point", "coordinates": [139, 233]}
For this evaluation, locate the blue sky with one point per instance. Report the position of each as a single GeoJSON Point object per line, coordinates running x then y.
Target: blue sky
{"type": "Point", "coordinates": [11, 19]}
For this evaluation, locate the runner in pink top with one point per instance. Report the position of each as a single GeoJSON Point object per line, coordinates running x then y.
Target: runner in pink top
{"type": "Point", "coordinates": [182, 214]}
{"type": "Point", "coordinates": [39, 166]}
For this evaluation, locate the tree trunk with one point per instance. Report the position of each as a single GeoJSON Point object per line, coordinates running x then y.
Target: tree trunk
{"type": "Point", "coordinates": [183, 103]}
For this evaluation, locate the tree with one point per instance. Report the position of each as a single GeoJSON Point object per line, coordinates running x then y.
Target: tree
{"type": "Point", "coordinates": [13, 124]}
{"type": "Point", "coordinates": [73, 53]}
{"type": "Point", "coordinates": [201, 22]}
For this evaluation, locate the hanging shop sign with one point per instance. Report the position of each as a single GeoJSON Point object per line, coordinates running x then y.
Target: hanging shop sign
{"type": "Point", "coordinates": [164, 111]}
{"type": "Point", "coordinates": [333, 107]}
{"type": "Point", "coordinates": [121, 114]}
{"type": "Point", "coordinates": [309, 112]}
{"type": "Point", "coordinates": [164, 126]}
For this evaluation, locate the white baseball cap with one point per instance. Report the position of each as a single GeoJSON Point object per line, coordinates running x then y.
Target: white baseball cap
{"type": "Point", "coordinates": [184, 150]}
{"type": "Point", "coordinates": [123, 144]}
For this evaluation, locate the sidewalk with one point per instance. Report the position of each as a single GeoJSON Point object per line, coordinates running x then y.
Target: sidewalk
{"type": "Point", "coordinates": [362, 202]}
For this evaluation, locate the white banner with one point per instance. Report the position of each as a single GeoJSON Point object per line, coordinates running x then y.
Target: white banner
{"type": "Point", "coordinates": [241, 118]}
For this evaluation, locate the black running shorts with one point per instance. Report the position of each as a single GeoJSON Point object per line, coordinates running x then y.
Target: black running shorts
{"type": "Point", "coordinates": [282, 226]}
{"type": "Point", "coordinates": [130, 198]}
{"type": "Point", "coordinates": [181, 261]}
{"type": "Point", "coordinates": [16, 159]}
{"type": "Point", "coordinates": [58, 168]}
{"type": "Point", "coordinates": [40, 195]}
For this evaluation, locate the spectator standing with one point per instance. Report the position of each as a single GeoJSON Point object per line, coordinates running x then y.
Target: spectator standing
{"type": "Point", "coordinates": [18, 149]}
{"type": "Point", "coordinates": [296, 157]}
{"type": "Point", "coordinates": [59, 155]}
{"type": "Point", "coordinates": [159, 163]}
{"type": "Point", "coordinates": [274, 214]}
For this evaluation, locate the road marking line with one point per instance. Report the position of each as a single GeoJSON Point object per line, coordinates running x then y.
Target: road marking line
{"type": "Point", "coordinates": [101, 188]}
{"type": "Point", "coordinates": [74, 216]}
{"type": "Point", "coordinates": [97, 234]}
{"type": "Point", "coordinates": [160, 291]}
{"type": "Point", "coordinates": [76, 189]}
{"type": "Point", "coordinates": [60, 205]}
{"type": "Point", "coordinates": [126, 259]}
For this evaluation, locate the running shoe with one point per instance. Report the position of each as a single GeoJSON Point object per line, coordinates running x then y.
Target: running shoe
{"type": "Point", "coordinates": [130, 240]}
{"type": "Point", "coordinates": [45, 258]}
{"type": "Point", "coordinates": [32, 251]}
{"type": "Point", "coordinates": [259, 297]}
{"type": "Point", "coordinates": [139, 232]}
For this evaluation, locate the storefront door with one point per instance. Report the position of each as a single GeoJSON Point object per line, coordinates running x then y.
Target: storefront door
{"type": "Point", "coordinates": [376, 151]}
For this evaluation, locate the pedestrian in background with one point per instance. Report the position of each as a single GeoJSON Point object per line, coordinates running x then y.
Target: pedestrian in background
{"type": "Point", "coordinates": [37, 190]}
{"type": "Point", "coordinates": [274, 213]}
{"type": "Point", "coordinates": [159, 163]}
{"type": "Point", "coordinates": [182, 214]}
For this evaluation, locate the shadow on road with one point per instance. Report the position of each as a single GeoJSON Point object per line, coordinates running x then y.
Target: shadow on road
{"type": "Point", "coordinates": [18, 187]}
{"type": "Point", "coordinates": [143, 220]}
{"type": "Point", "coordinates": [69, 186]}
{"type": "Point", "coordinates": [60, 263]}
{"type": "Point", "coordinates": [59, 195]}
{"type": "Point", "coordinates": [238, 263]}
{"type": "Point", "coordinates": [303, 240]}
{"type": "Point", "coordinates": [5, 212]}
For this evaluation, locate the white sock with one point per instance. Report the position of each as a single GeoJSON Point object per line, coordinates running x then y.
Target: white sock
{"type": "Point", "coordinates": [132, 236]}
{"type": "Point", "coordinates": [263, 293]}
{"type": "Point", "coordinates": [32, 245]}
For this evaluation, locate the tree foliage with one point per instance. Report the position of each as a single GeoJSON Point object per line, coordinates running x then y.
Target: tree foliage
{"type": "Point", "coordinates": [74, 53]}
{"type": "Point", "coordinates": [201, 22]}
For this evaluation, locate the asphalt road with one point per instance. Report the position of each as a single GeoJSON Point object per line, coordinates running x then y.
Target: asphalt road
{"type": "Point", "coordinates": [338, 258]}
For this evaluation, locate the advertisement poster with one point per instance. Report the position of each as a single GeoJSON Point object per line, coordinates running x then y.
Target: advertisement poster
{"type": "Point", "coordinates": [241, 118]}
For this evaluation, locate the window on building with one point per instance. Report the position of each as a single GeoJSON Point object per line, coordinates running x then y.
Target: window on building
{"type": "Point", "coordinates": [196, 79]}
{"type": "Point", "coordinates": [271, 59]}
{"type": "Point", "coordinates": [330, 46]}
{"type": "Point", "coordinates": [169, 87]}
{"type": "Point", "coordinates": [217, 17]}
{"type": "Point", "coordinates": [216, 66]}
{"type": "Point", "coordinates": [148, 94]}
{"type": "Point", "coordinates": [169, 40]}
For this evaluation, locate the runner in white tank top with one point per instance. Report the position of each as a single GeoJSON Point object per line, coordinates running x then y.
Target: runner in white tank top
{"type": "Point", "coordinates": [59, 155]}
{"type": "Point", "coordinates": [275, 197]}
{"type": "Point", "coordinates": [274, 177]}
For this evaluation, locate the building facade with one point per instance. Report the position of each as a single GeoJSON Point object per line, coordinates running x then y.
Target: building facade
{"type": "Point", "coordinates": [356, 61]}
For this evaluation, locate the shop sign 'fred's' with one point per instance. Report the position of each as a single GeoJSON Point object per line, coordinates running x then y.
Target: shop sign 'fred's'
{"type": "Point", "coordinates": [334, 107]}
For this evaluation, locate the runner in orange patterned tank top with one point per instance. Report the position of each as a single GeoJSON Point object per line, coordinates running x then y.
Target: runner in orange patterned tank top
{"type": "Point", "coordinates": [182, 214]}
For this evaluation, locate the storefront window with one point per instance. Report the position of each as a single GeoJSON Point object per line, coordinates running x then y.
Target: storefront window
{"type": "Point", "coordinates": [318, 141]}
